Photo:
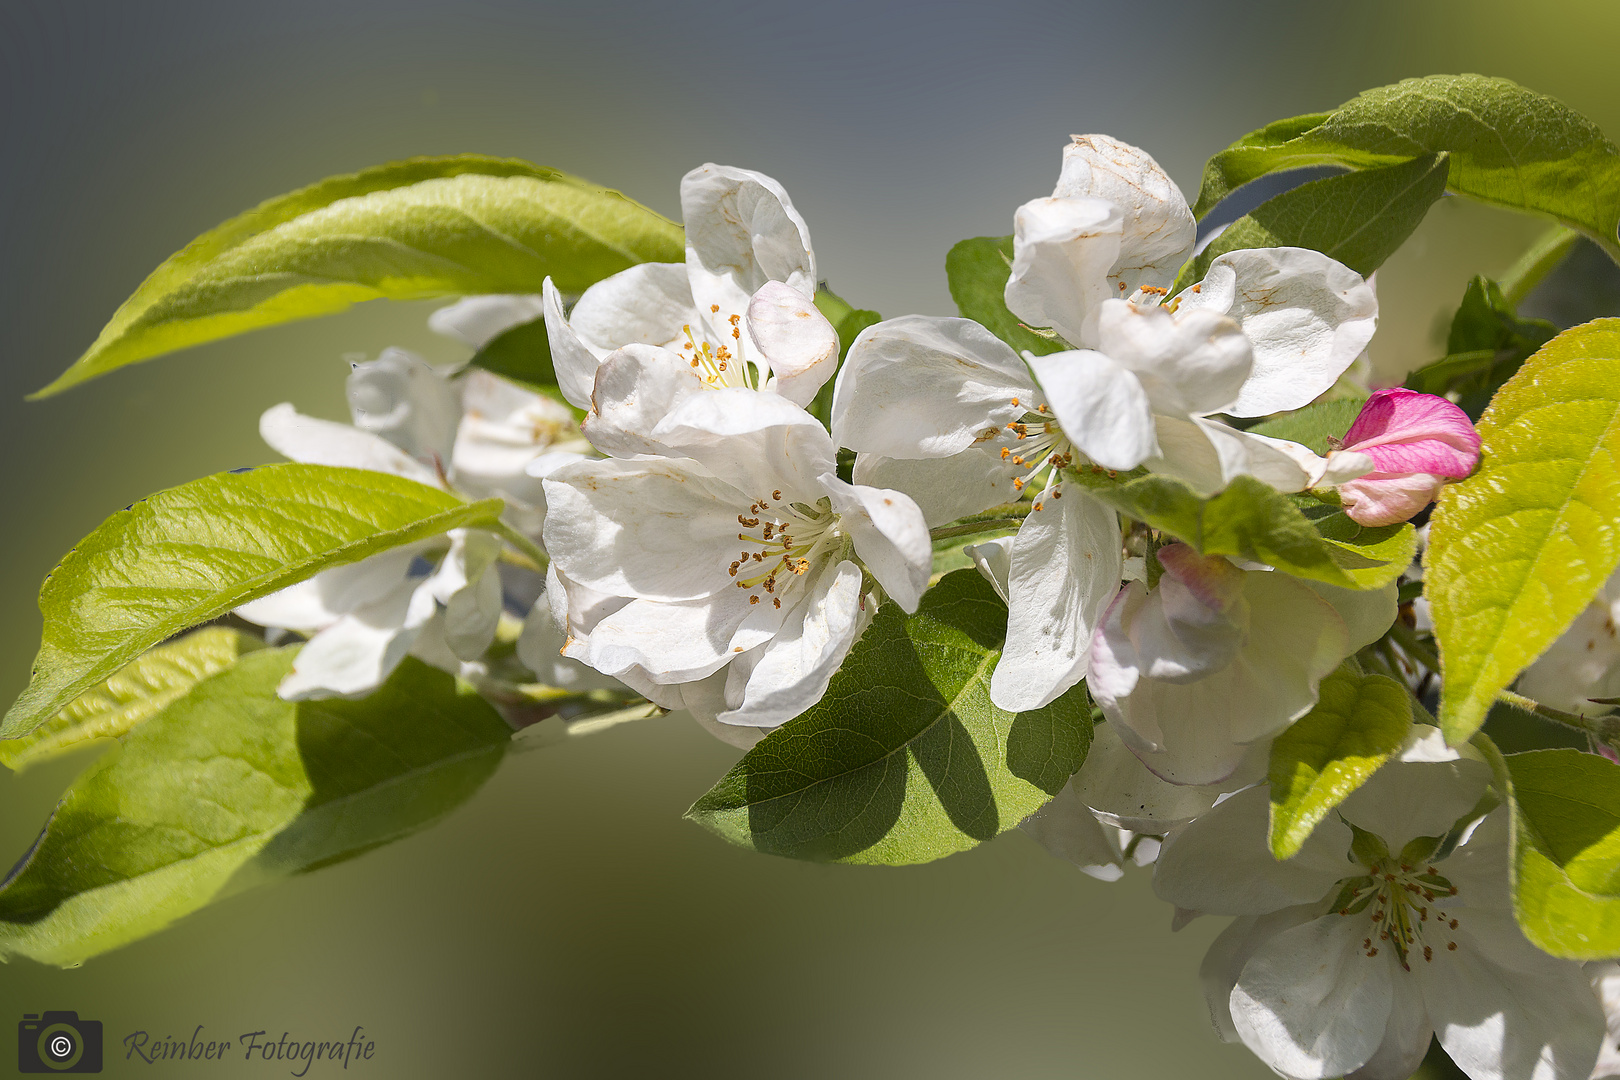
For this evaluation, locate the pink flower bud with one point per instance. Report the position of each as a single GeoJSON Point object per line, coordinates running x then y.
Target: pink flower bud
{"type": "Point", "coordinates": [1416, 442]}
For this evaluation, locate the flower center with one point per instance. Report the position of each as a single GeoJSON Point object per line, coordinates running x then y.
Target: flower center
{"type": "Point", "coordinates": [1035, 444]}
{"type": "Point", "coordinates": [723, 364]}
{"type": "Point", "coordinates": [1404, 900]}
{"type": "Point", "coordinates": [782, 542]}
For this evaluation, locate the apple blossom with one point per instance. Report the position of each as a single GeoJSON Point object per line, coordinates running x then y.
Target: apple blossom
{"type": "Point", "coordinates": [1345, 970]}
{"type": "Point", "coordinates": [1414, 443]}
{"type": "Point", "coordinates": [1216, 658]}
{"type": "Point", "coordinates": [658, 537]}
{"type": "Point", "coordinates": [737, 312]}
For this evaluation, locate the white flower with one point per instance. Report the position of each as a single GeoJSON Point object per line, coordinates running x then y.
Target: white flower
{"type": "Point", "coordinates": [942, 410]}
{"type": "Point", "coordinates": [1584, 663]}
{"type": "Point", "coordinates": [742, 558]}
{"type": "Point", "coordinates": [1110, 241]}
{"type": "Point", "coordinates": [1114, 805]}
{"type": "Point", "coordinates": [1605, 976]}
{"type": "Point", "coordinates": [1344, 968]}
{"type": "Point", "coordinates": [737, 312]}
{"type": "Point", "coordinates": [1216, 658]}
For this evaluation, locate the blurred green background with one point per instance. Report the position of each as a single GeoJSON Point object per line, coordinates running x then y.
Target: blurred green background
{"type": "Point", "coordinates": [566, 922]}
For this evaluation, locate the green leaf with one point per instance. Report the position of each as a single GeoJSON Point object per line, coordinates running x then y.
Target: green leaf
{"type": "Point", "coordinates": [1358, 722]}
{"type": "Point", "coordinates": [522, 354]}
{"type": "Point", "coordinates": [905, 759]}
{"type": "Point", "coordinates": [1566, 850]}
{"type": "Point", "coordinates": [139, 691]}
{"type": "Point", "coordinates": [978, 270]}
{"type": "Point", "coordinates": [228, 787]}
{"type": "Point", "coordinates": [1517, 550]}
{"type": "Point", "coordinates": [1315, 424]}
{"type": "Point", "coordinates": [192, 553]}
{"type": "Point", "coordinates": [1487, 344]}
{"type": "Point", "coordinates": [407, 230]}
{"type": "Point", "coordinates": [1509, 147]}
{"type": "Point", "coordinates": [1359, 218]}
{"type": "Point", "coordinates": [1253, 521]}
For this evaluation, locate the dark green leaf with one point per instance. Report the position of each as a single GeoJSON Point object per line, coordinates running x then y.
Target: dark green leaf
{"type": "Point", "coordinates": [1486, 346]}
{"type": "Point", "coordinates": [229, 787]}
{"type": "Point", "coordinates": [522, 354]}
{"type": "Point", "coordinates": [1359, 218]}
{"type": "Point", "coordinates": [1315, 424]}
{"type": "Point", "coordinates": [905, 759]}
{"type": "Point", "coordinates": [1509, 147]}
{"type": "Point", "coordinates": [848, 322]}
{"type": "Point", "coordinates": [407, 230]}
{"type": "Point", "coordinates": [1358, 722]}
{"type": "Point", "coordinates": [978, 270]}
{"type": "Point", "coordinates": [192, 553]}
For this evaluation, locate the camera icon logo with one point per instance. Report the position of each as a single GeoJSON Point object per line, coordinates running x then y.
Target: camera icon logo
{"type": "Point", "coordinates": [58, 1042]}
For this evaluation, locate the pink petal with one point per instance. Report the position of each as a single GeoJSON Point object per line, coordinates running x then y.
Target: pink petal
{"type": "Point", "coordinates": [1404, 431]}
{"type": "Point", "coordinates": [1384, 499]}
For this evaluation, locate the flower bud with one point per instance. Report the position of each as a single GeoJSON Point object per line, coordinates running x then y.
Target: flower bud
{"type": "Point", "coordinates": [1416, 443]}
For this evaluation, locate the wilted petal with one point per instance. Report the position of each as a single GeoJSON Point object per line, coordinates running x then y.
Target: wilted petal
{"type": "Point", "coordinates": [1064, 570]}
{"type": "Point", "coordinates": [478, 320]}
{"type": "Point", "coordinates": [924, 387]}
{"type": "Point", "coordinates": [1102, 407]}
{"type": "Point", "coordinates": [1063, 250]}
{"type": "Point", "coordinates": [322, 442]}
{"type": "Point", "coordinates": [1159, 228]}
{"type": "Point", "coordinates": [1307, 316]}
{"type": "Point", "coordinates": [741, 231]}
{"type": "Point", "coordinates": [1190, 361]}
{"type": "Point", "coordinates": [799, 345]}
{"type": "Point", "coordinates": [1310, 1004]}
{"type": "Point", "coordinates": [400, 398]}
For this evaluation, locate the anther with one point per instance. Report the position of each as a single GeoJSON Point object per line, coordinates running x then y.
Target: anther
{"type": "Point", "coordinates": [777, 601]}
{"type": "Point", "coordinates": [777, 494]}
{"type": "Point", "coordinates": [753, 599]}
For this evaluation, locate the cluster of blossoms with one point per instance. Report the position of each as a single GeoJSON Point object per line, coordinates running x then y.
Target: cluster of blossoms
{"type": "Point", "coordinates": [707, 553]}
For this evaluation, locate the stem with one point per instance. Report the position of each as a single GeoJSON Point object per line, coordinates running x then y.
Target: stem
{"type": "Point", "coordinates": [525, 546]}
{"type": "Point", "coordinates": [1605, 729]}
{"type": "Point", "coordinates": [1009, 516]}
{"type": "Point", "coordinates": [1537, 262]}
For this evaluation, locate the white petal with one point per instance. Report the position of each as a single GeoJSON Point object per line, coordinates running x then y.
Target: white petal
{"type": "Point", "coordinates": [741, 231]}
{"type": "Point", "coordinates": [669, 642]}
{"type": "Point", "coordinates": [635, 388]}
{"type": "Point", "coordinates": [993, 558]}
{"type": "Point", "coordinates": [1310, 1004]}
{"type": "Point", "coordinates": [1230, 950]}
{"type": "Point", "coordinates": [504, 429]}
{"type": "Point", "coordinates": [354, 655]}
{"type": "Point", "coordinates": [400, 398]}
{"type": "Point", "coordinates": [1504, 1010]}
{"type": "Point", "coordinates": [1307, 316]}
{"type": "Point", "coordinates": [1065, 569]}
{"type": "Point", "coordinates": [1367, 613]}
{"type": "Point", "coordinates": [656, 528]}
{"type": "Point", "coordinates": [923, 387]}
{"type": "Point", "coordinates": [1115, 784]}
{"type": "Point", "coordinates": [787, 676]}
{"type": "Point", "coordinates": [890, 536]}
{"type": "Point", "coordinates": [1222, 864]}
{"type": "Point", "coordinates": [758, 441]}
{"type": "Point", "coordinates": [798, 343]}
{"type": "Point", "coordinates": [648, 304]}
{"type": "Point", "coordinates": [1406, 1036]}
{"type": "Point", "coordinates": [320, 601]}
{"type": "Point", "coordinates": [1190, 361]}
{"type": "Point", "coordinates": [322, 442]}
{"type": "Point", "coordinates": [945, 488]}
{"type": "Point", "coordinates": [1063, 250]}
{"type": "Point", "coordinates": [473, 609]}
{"type": "Point", "coordinates": [1103, 407]}
{"type": "Point", "coordinates": [573, 361]}
{"type": "Point", "coordinates": [1206, 455]}
{"type": "Point", "coordinates": [478, 320]}
{"type": "Point", "coordinates": [539, 648]}
{"type": "Point", "coordinates": [1066, 827]}
{"type": "Point", "coordinates": [1159, 228]}
{"type": "Point", "coordinates": [1407, 799]}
